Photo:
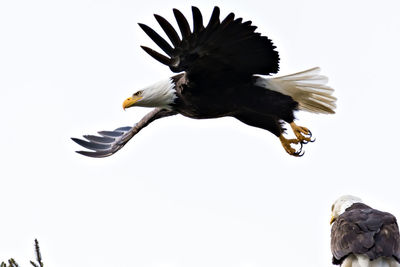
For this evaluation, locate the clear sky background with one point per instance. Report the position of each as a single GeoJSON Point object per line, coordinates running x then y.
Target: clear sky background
{"type": "Point", "coordinates": [186, 192]}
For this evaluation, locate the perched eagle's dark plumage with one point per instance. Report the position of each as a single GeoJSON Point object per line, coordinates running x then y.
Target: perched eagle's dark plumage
{"type": "Point", "coordinates": [219, 67]}
{"type": "Point", "coordinates": [362, 236]}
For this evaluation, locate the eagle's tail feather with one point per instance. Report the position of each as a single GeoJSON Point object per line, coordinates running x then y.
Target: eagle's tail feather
{"type": "Point", "coordinates": [308, 88]}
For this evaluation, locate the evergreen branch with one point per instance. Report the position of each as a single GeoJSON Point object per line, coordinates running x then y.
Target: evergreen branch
{"type": "Point", "coordinates": [13, 263]}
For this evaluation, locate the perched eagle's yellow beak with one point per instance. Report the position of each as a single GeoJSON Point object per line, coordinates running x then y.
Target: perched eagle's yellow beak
{"type": "Point", "coordinates": [332, 219]}
{"type": "Point", "coordinates": [130, 101]}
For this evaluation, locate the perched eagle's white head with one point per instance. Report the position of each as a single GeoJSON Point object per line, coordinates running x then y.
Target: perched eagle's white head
{"type": "Point", "coordinates": [341, 204]}
{"type": "Point", "coordinates": [158, 95]}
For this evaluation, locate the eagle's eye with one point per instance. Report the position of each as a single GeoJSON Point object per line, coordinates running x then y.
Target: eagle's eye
{"type": "Point", "coordinates": [138, 93]}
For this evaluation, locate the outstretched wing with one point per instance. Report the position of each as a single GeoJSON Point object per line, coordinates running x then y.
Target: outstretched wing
{"type": "Point", "coordinates": [110, 142]}
{"type": "Point", "coordinates": [230, 47]}
{"type": "Point", "coordinates": [106, 144]}
{"type": "Point", "coordinates": [364, 230]}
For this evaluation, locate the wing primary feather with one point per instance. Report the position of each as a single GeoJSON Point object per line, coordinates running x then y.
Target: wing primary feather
{"type": "Point", "coordinates": [238, 20]}
{"type": "Point", "coordinates": [214, 17]}
{"type": "Point", "coordinates": [197, 20]}
{"type": "Point", "coordinates": [157, 56]}
{"type": "Point", "coordinates": [168, 29]}
{"type": "Point", "coordinates": [110, 133]}
{"type": "Point", "coordinates": [99, 139]}
{"type": "Point", "coordinates": [91, 145]}
{"type": "Point", "coordinates": [95, 154]}
{"type": "Point", "coordinates": [164, 45]}
{"type": "Point", "coordinates": [247, 23]}
{"type": "Point", "coordinates": [228, 19]}
{"type": "Point", "coordinates": [182, 23]}
{"type": "Point", "coordinates": [123, 129]}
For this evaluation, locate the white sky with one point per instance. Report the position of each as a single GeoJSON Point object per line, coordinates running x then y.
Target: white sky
{"type": "Point", "coordinates": [187, 192]}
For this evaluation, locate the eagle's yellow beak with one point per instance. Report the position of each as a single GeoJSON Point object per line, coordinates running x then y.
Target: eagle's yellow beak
{"type": "Point", "coordinates": [130, 101]}
{"type": "Point", "coordinates": [332, 219]}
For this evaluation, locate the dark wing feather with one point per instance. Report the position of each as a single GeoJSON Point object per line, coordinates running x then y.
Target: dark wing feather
{"type": "Point", "coordinates": [197, 20]}
{"type": "Point", "coordinates": [231, 47]}
{"type": "Point", "coordinates": [169, 30]}
{"type": "Point", "coordinates": [214, 20]}
{"type": "Point", "coordinates": [164, 45]}
{"type": "Point", "coordinates": [182, 23]}
{"type": "Point", "coordinates": [363, 230]}
{"type": "Point", "coordinates": [228, 20]}
{"type": "Point", "coordinates": [157, 56]}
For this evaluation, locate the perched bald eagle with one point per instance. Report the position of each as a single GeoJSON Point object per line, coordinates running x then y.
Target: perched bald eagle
{"type": "Point", "coordinates": [220, 68]}
{"type": "Point", "coordinates": [362, 236]}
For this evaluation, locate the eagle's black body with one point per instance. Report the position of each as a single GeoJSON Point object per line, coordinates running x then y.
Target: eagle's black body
{"type": "Point", "coordinates": [363, 230]}
{"type": "Point", "coordinates": [248, 103]}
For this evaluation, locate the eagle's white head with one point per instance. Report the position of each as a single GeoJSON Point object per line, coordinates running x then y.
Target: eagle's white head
{"type": "Point", "coordinates": [158, 95]}
{"type": "Point", "coordinates": [341, 204]}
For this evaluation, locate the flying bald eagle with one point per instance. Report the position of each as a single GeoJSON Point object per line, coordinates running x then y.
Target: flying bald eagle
{"type": "Point", "coordinates": [362, 236]}
{"type": "Point", "coordinates": [220, 68]}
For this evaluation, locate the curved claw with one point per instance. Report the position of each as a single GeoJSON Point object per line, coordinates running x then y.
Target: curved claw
{"type": "Point", "coordinates": [313, 140]}
{"type": "Point", "coordinates": [300, 152]}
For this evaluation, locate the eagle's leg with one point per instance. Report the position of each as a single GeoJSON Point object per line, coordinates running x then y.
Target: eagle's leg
{"type": "Point", "coordinates": [274, 104]}
{"type": "Point", "coordinates": [272, 124]}
{"type": "Point", "coordinates": [302, 133]}
{"type": "Point", "coordinates": [286, 143]}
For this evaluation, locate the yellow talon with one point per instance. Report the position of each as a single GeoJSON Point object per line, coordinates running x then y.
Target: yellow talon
{"type": "Point", "coordinates": [286, 143]}
{"type": "Point", "coordinates": [302, 133]}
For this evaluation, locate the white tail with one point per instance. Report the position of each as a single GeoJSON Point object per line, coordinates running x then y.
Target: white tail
{"type": "Point", "coordinates": [308, 88]}
{"type": "Point", "coordinates": [363, 261]}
